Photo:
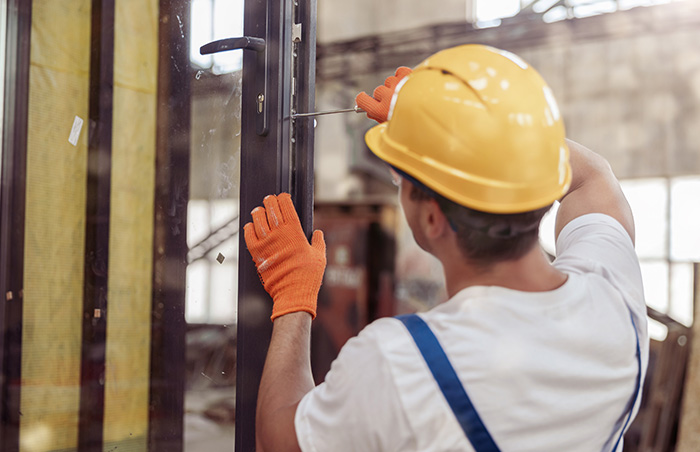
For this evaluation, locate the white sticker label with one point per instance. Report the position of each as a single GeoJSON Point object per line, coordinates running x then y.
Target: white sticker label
{"type": "Point", "coordinates": [75, 131]}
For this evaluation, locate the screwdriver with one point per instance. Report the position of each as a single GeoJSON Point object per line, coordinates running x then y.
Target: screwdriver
{"type": "Point", "coordinates": [355, 109]}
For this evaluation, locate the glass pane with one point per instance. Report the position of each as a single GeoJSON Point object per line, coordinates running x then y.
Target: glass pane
{"type": "Point", "coordinates": [212, 234]}
{"type": "Point", "coordinates": [55, 231]}
{"type": "Point", "coordinates": [100, 234]}
{"type": "Point", "coordinates": [648, 200]}
{"type": "Point", "coordinates": [131, 237]}
{"type": "Point", "coordinates": [685, 219]}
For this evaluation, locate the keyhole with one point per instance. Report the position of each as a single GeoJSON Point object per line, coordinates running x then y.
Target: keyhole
{"type": "Point", "coordinates": [261, 100]}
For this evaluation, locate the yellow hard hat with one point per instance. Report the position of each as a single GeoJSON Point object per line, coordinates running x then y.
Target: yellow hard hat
{"type": "Point", "coordinates": [480, 127]}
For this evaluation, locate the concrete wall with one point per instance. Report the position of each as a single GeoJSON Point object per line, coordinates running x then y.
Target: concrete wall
{"type": "Point", "coordinates": [628, 83]}
{"type": "Point", "coordinates": [341, 20]}
{"type": "Point", "coordinates": [635, 99]}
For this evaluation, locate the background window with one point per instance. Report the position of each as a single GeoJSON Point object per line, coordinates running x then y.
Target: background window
{"type": "Point", "coordinates": [667, 219]}
{"type": "Point", "coordinates": [213, 20]}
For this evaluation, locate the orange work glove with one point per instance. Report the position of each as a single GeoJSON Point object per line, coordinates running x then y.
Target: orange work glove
{"type": "Point", "coordinates": [291, 270]}
{"type": "Point", "coordinates": [377, 107]}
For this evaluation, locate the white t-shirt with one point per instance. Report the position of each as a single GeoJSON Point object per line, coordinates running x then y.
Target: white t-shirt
{"type": "Point", "coordinates": [546, 371]}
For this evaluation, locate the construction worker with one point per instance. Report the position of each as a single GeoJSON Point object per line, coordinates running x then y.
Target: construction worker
{"type": "Point", "coordinates": [526, 355]}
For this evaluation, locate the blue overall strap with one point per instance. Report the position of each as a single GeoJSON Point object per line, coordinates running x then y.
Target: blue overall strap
{"type": "Point", "coordinates": [637, 389]}
{"type": "Point", "coordinates": [449, 383]}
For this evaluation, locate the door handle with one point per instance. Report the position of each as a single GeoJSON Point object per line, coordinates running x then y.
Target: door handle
{"type": "Point", "coordinates": [257, 45]}
{"type": "Point", "coordinates": [244, 42]}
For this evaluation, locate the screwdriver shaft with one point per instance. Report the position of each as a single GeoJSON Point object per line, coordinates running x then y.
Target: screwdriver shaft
{"type": "Point", "coordinates": [328, 112]}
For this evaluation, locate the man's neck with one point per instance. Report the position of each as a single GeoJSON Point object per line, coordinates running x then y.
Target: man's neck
{"type": "Point", "coordinates": [530, 273]}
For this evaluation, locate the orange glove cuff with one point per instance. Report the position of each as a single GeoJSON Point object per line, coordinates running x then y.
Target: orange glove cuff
{"type": "Point", "coordinates": [290, 268]}
{"type": "Point", "coordinates": [378, 105]}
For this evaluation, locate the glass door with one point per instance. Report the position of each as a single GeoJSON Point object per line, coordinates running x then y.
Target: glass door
{"type": "Point", "coordinates": [130, 320]}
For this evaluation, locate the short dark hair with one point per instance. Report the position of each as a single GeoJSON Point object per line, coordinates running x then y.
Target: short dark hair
{"type": "Point", "coordinates": [486, 238]}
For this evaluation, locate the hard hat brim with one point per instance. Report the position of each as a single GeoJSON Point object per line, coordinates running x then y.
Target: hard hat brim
{"type": "Point", "coordinates": [496, 201]}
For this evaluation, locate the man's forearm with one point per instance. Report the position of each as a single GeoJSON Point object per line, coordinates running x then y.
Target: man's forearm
{"type": "Point", "coordinates": [286, 379]}
{"type": "Point", "coordinates": [594, 189]}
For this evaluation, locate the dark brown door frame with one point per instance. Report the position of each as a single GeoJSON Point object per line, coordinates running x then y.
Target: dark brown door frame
{"type": "Point", "coordinates": [280, 161]}
{"type": "Point", "coordinates": [168, 327]}
{"type": "Point", "coordinates": [12, 210]}
{"type": "Point", "coordinates": [97, 223]}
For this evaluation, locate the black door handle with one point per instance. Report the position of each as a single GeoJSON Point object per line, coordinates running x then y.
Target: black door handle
{"type": "Point", "coordinates": [258, 45]}
{"type": "Point", "coordinates": [244, 42]}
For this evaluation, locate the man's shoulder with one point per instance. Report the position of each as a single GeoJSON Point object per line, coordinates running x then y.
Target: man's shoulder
{"type": "Point", "coordinates": [598, 244]}
{"type": "Point", "coordinates": [595, 243]}
{"type": "Point", "coordinates": [592, 226]}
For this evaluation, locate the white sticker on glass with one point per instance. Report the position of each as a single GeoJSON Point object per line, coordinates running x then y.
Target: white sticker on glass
{"type": "Point", "coordinates": [75, 131]}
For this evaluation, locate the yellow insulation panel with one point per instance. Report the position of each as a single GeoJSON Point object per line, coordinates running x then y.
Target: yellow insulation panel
{"type": "Point", "coordinates": [55, 225]}
{"type": "Point", "coordinates": [131, 226]}
{"type": "Point", "coordinates": [136, 45]}
{"type": "Point", "coordinates": [61, 35]}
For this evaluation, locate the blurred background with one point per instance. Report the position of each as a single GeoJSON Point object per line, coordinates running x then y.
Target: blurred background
{"type": "Point", "coordinates": [124, 178]}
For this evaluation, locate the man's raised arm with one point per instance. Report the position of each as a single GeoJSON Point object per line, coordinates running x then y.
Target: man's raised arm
{"type": "Point", "coordinates": [594, 189]}
{"type": "Point", "coordinates": [291, 270]}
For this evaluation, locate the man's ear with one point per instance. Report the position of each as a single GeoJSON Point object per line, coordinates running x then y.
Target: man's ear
{"type": "Point", "coordinates": [434, 221]}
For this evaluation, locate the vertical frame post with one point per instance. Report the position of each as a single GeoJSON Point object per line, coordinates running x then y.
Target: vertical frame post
{"type": "Point", "coordinates": [259, 177]}
{"type": "Point", "coordinates": [166, 399]}
{"type": "Point", "coordinates": [304, 95]}
{"type": "Point", "coordinates": [280, 161]}
{"type": "Point", "coordinates": [96, 267]}
{"type": "Point", "coordinates": [12, 214]}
